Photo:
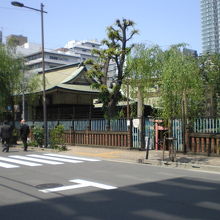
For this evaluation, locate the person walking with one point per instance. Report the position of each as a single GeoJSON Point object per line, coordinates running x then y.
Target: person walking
{"type": "Point", "coordinates": [6, 135]}
{"type": "Point", "coordinates": [24, 132]}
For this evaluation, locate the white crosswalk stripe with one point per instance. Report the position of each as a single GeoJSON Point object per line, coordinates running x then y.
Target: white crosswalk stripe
{"type": "Point", "coordinates": [7, 165]}
{"type": "Point", "coordinates": [71, 157]}
{"type": "Point", "coordinates": [53, 158]}
{"type": "Point", "coordinates": [20, 162]}
{"type": "Point", "coordinates": [37, 160]}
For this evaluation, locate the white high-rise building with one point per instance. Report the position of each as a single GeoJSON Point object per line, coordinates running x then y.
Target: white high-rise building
{"type": "Point", "coordinates": [210, 14]}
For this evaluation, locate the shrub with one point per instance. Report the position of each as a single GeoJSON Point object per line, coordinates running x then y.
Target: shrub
{"type": "Point", "coordinates": [57, 138]}
{"type": "Point", "coordinates": [38, 134]}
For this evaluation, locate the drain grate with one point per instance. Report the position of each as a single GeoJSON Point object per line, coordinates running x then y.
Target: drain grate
{"type": "Point", "coordinates": [48, 185]}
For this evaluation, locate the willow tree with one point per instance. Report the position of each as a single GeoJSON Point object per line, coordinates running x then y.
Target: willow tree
{"type": "Point", "coordinates": [12, 79]}
{"type": "Point", "coordinates": [181, 88]}
{"type": "Point", "coordinates": [181, 84]}
{"type": "Point", "coordinates": [143, 70]}
{"type": "Point", "coordinates": [210, 71]}
{"type": "Point", "coordinates": [10, 76]}
{"type": "Point", "coordinates": [115, 49]}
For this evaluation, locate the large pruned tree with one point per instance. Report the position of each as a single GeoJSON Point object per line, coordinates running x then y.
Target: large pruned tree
{"type": "Point", "coordinates": [115, 50]}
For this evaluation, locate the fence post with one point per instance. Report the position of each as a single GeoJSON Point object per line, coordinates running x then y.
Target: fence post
{"type": "Point", "coordinates": [130, 137]}
{"type": "Point", "coordinates": [217, 145]}
{"type": "Point", "coordinates": [89, 125]}
{"type": "Point", "coordinates": [108, 125]}
{"type": "Point", "coordinates": [208, 146]}
{"type": "Point", "coordinates": [213, 144]}
{"type": "Point", "coordinates": [187, 142]}
{"type": "Point", "coordinates": [72, 138]}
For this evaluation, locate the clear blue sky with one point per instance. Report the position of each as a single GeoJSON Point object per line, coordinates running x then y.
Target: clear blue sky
{"type": "Point", "coordinates": [162, 22]}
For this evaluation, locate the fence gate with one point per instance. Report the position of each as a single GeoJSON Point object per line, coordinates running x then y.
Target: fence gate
{"type": "Point", "coordinates": [177, 134]}
{"type": "Point", "coordinates": [149, 133]}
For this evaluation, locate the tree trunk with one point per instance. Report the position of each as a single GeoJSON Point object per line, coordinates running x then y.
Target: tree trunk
{"type": "Point", "coordinates": [141, 118]}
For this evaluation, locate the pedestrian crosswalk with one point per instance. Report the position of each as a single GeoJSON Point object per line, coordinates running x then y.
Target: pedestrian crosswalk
{"type": "Point", "coordinates": [33, 160]}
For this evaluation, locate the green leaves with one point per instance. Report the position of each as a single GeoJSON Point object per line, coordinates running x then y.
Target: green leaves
{"type": "Point", "coordinates": [143, 68]}
{"type": "Point", "coordinates": [210, 72]}
{"type": "Point", "coordinates": [10, 74]}
{"type": "Point", "coordinates": [57, 138]}
{"type": "Point", "coordinates": [181, 84]}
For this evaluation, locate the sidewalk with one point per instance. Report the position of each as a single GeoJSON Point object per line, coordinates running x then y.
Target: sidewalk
{"type": "Point", "coordinates": [188, 161]}
{"type": "Point", "coordinates": [195, 162]}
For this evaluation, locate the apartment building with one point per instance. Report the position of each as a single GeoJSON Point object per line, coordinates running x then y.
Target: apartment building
{"type": "Point", "coordinates": [73, 52]}
{"type": "Point", "coordinates": [210, 15]}
{"type": "Point", "coordinates": [83, 48]}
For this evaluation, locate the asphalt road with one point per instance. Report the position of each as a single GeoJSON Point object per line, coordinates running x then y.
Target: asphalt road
{"type": "Point", "coordinates": [82, 189]}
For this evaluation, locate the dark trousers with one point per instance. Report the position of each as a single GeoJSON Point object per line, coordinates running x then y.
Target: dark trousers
{"type": "Point", "coordinates": [5, 144]}
{"type": "Point", "coordinates": [24, 140]}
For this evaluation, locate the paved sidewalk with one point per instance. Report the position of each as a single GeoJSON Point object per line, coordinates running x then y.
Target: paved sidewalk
{"type": "Point", "coordinates": [155, 158]}
{"type": "Point", "coordinates": [195, 162]}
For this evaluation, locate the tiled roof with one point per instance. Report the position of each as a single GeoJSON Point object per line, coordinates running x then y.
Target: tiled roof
{"type": "Point", "coordinates": [64, 78]}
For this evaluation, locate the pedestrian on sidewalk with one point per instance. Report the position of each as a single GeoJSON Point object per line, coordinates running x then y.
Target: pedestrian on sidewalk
{"type": "Point", "coordinates": [24, 132]}
{"type": "Point", "coordinates": [6, 135]}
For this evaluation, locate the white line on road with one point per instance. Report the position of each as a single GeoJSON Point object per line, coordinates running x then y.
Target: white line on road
{"type": "Point", "coordinates": [94, 184]}
{"type": "Point", "coordinates": [72, 157]}
{"type": "Point", "coordinates": [80, 184]}
{"type": "Point", "coordinates": [37, 160]}
{"type": "Point", "coordinates": [53, 158]}
{"type": "Point", "coordinates": [7, 165]}
{"type": "Point", "coordinates": [20, 162]}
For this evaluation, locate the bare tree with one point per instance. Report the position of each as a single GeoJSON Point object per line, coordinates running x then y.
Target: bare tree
{"type": "Point", "coordinates": [115, 50]}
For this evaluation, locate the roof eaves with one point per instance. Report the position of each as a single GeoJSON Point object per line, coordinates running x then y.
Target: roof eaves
{"type": "Point", "coordinates": [73, 75]}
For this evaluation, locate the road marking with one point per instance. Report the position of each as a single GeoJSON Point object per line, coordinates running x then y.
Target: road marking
{"type": "Point", "coordinates": [71, 157]}
{"type": "Point", "coordinates": [94, 184]}
{"type": "Point", "coordinates": [7, 165]}
{"type": "Point", "coordinates": [53, 158]}
{"type": "Point", "coordinates": [37, 160]}
{"type": "Point", "coordinates": [20, 162]}
{"type": "Point", "coordinates": [80, 184]}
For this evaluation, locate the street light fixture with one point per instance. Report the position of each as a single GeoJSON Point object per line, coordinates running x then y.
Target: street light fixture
{"type": "Point", "coordinates": [19, 4]}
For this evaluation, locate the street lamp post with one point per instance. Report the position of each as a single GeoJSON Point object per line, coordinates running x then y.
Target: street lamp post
{"type": "Point", "coordinates": [41, 10]}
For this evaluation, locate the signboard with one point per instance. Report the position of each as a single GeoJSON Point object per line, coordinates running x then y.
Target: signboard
{"type": "Point", "coordinates": [128, 123]}
{"type": "Point", "coordinates": [136, 123]}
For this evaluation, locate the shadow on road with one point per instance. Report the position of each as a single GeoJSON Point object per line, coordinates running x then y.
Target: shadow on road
{"type": "Point", "coordinates": [176, 199]}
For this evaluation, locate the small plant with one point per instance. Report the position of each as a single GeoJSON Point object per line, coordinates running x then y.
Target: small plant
{"type": "Point", "coordinates": [38, 134]}
{"type": "Point", "coordinates": [57, 138]}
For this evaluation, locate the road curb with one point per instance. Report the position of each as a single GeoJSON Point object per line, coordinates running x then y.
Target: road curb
{"type": "Point", "coordinates": [170, 164]}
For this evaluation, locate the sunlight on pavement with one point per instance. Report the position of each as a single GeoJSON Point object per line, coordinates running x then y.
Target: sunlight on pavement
{"type": "Point", "coordinates": [113, 154]}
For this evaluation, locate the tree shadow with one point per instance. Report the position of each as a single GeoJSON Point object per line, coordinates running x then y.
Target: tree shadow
{"type": "Point", "coordinates": [196, 160]}
{"type": "Point", "coordinates": [177, 199]}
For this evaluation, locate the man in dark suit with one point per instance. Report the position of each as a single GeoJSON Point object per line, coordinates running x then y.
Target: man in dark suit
{"type": "Point", "coordinates": [6, 135]}
{"type": "Point", "coordinates": [24, 132]}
